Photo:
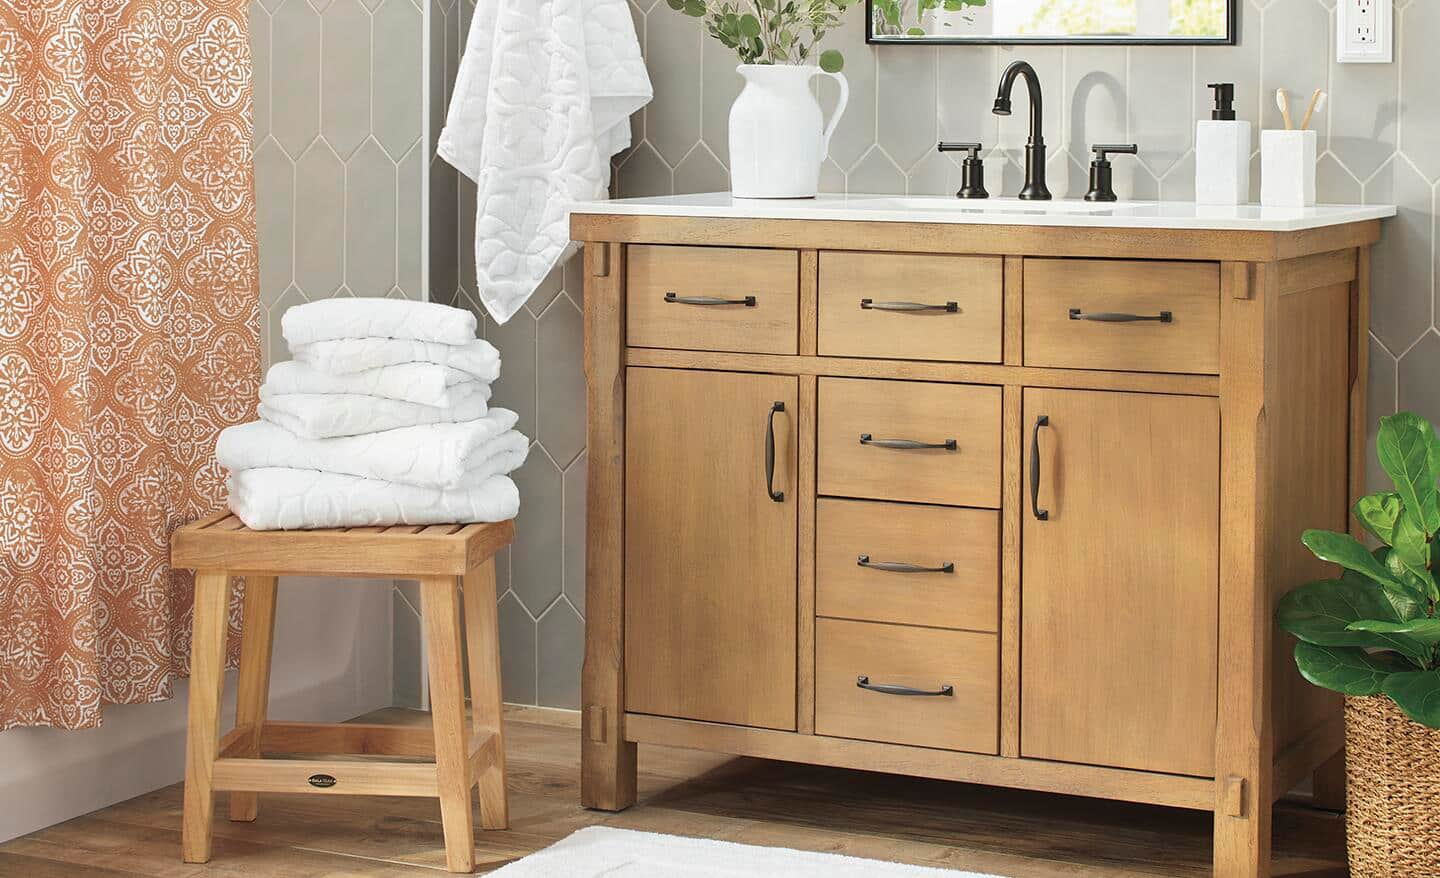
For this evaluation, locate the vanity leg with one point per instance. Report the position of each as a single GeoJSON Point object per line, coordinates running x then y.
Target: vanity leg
{"type": "Point", "coordinates": [607, 760]}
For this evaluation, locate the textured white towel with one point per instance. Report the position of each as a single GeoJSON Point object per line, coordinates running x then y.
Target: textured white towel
{"type": "Point", "coordinates": [425, 383]}
{"type": "Point", "coordinates": [541, 102]}
{"type": "Point", "coordinates": [276, 498]}
{"type": "Point", "coordinates": [343, 356]}
{"type": "Point", "coordinates": [434, 456]}
{"type": "Point", "coordinates": [322, 415]}
{"type": "Point", "coordinates": [376, 318]}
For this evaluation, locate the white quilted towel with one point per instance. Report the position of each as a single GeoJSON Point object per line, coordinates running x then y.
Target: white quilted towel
{"type": "Point", "coordinates": [542, 101]}
{"type": "Point", "coordinates": [430, 456]}
{"type": "Point", "coordinates": [376, 318]}
{"type": "Point", "coordinates": [322, 415]}
{"type": "Point", "coordinates": [425, 383]}
{"type": "Point", "coordinates": [276, 498]}
{"type": "Point", "coordinates": [343, 356]}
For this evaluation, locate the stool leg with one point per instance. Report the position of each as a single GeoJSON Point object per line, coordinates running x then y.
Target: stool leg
{"type": "Point", "coordinates": [253, 687]}
{"type": "Point", "coordinates": [482, 644]}
{"type": "Point", "coordinates": [440, 605]}
{"type": "Point", "coordinates": [207, 682]}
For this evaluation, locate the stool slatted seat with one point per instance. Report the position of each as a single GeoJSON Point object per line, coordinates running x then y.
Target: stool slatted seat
{"type": "Point", "coordinates": [448, 560]}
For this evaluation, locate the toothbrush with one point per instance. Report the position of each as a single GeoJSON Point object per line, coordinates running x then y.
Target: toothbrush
{"type": "Point", "coordinates": [1317, 105]}
{"type": "Point", "coordinates": [1282, 100]}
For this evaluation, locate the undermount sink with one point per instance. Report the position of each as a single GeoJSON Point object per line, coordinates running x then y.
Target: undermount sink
{"type": "Point", "coordinates": [997, 205]}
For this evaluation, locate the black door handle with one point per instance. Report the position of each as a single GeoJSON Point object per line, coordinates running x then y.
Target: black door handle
{"type": "Point", "coordinates": [777, 496]}
{"type": "Point", "coordinates": [673, 299]}
{"type": "Point", "coordinates": [893, 689]}
{"type": "Point", "coordinates": [1040, 514]}
{"type": "Point", "coordinates": [904, 567]}
{"type": "Point", "coordinates": [906, 444]}
{"type": "Point", "coordinates": [1113, 317]}
{"type": "Point", "coordinates": [872, 305]}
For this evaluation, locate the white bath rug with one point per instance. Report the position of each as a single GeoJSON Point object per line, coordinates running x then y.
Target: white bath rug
{"type": "Point", "coordinates": [603, 852]}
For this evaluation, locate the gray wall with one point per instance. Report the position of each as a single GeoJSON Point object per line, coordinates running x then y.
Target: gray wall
{"type": "Point", "coordinates": [1380, 142]}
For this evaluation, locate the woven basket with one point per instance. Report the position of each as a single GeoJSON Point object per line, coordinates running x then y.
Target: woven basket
{"type": "Point", "coordinates": [1392, 816]}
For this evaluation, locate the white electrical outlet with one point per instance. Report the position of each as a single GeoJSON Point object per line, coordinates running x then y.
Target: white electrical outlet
{"type": "Point", "coordinates": [1365, 31]}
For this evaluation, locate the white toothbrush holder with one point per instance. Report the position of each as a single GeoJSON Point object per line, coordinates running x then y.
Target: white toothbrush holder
{"type": "Point", "coordinates": [1287, 168]}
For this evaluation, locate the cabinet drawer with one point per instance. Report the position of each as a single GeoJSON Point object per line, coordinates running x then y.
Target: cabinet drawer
{"type": "Point", "coordinates": [1181, 301]}
{"type": "Point", "coordinates": [861, 421]}
{"type": "Point", "coordinates": [867, 306]}
{"type": "Point", "coordinates": [712, 298]}
{"type": "Point", "coordinates": [866, 552]}
{"type": "Point", "coordinates": [924, 659]}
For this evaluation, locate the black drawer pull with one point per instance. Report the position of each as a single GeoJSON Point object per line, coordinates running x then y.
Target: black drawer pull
{"type": "Point", "coordinates": [892, 689]}
{"type": "Point", "coordinates": [872, 305]}
{"type": "Point", "coordinates": [904, 567]}
{"type": "Point", "coordinates": [1040, 514]}
{"type": "Point", "coordinates": [673, 299]}
{"type": "Point", "coordinates": [777, 496]}
{"type": "Point", "coordinates": [1113, 317]}
{"type": "Point", "coordinates": [907, 444]}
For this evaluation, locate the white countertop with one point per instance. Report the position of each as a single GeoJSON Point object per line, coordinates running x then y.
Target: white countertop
{"type": "Point", "coordinates": [995, 211]}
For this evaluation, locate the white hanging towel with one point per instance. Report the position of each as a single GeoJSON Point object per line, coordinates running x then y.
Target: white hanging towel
{"type": "Point", "coordinates": [542, 101]}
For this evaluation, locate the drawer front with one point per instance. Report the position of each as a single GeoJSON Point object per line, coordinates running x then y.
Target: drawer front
{"type": "Point", "coordinates": [867, 306]}
{"type": "Point", "coordinates": [920, 659]}
{"type": "Point", "coordinates": [861, 420]}
{"type": "Point", "coordinates": [1186, 294]}
{"type": "Point", "coordinates": [912, 565]}
{"type": "Point", "coordinates": [712, 299]}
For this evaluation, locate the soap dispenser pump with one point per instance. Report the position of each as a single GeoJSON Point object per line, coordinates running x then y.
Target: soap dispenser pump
{"type": "Point", "coordinates": [1222, 152]}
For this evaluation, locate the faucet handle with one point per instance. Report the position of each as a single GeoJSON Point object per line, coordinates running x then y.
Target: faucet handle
{"type": "Point", "coordinates": [972, 148]}
{"type": "Point", "coordinates": [1101, 174]}
{"type": "Point", "coordinates": [1104, 150]}
{"type": "Point", "coordinates": [972, 169]}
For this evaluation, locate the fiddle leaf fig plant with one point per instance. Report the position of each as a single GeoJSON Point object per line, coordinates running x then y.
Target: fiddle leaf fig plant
{"type": "Point", "coordinates": [1375, 629]}
{"type": "Point", "coordinates": [771, 31]}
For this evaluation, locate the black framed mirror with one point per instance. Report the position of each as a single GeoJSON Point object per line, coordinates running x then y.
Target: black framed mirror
{"type": "Point", "coordinates": [1052, 22]}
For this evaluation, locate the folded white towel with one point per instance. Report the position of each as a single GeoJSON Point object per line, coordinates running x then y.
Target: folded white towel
{"type": "Point", "coordinates": [276, 498]}
{"type": "Point", "coordinates": [377, 318]}
{"type": "Point", "coordinates": [433, 456]}
{"type": "Point", "coordinates": [322, 415]}
{"type": "Point", "coordinates": [541, 102]}
{"type": "Point", "coordinates": [425, 383]}
{"type": "Point", "coordinates": [343, 356]}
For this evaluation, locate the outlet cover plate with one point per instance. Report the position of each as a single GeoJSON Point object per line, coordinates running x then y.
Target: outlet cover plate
{"type": "Point", "coordinates": [1365, 31]}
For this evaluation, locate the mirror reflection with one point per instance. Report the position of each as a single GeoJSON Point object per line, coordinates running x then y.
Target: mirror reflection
{"type": "Point", "coordinates": [1051, 21]}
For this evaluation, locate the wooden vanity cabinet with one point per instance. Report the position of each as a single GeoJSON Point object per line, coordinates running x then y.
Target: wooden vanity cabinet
{"type": "Point", "coordinates": [1024, 526]}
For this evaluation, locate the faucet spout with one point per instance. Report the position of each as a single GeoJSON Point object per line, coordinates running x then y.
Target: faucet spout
{"type": "Point", "coordinates": [1035, 188]}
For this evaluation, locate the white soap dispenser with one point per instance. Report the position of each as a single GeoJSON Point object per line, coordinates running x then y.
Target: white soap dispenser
{"type": "Point", "coordinates": [1222, 152]}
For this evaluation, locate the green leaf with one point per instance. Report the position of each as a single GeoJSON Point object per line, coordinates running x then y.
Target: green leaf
{"type": "Point", "coordinates": [1322, 613]}
{"type": "Point", "coordinates": [1411, 549]}
{"type": "Point", "coordinates": [1410, 454]}
{"type": "Point", "coordinates": [1347, 551]}
{"type": "Point", "coordinates": [1426, 631]}
{"type": "Point", "coordinates": [1417, 693]}
{"type": "Point", "coordinates": [916, 31]}
{"type": "Point", "coordinates": [1346, 669]}
{"type": "Point", "coordinates": [1379, 512]}
{"type": "Point", "coordinates": [831, 61]}
{"type": "Point", "coordinates": [694, 8]}
{"type": "Point", "coordinates": [1418, 587]}
{"type": "Point", "coordinates": [749, 26]}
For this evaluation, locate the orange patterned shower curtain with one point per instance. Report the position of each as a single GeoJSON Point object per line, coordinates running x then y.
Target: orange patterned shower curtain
{"type": "Point", "coordinates": [129, 333]}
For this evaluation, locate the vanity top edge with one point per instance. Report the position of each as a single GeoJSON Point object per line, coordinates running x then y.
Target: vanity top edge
{"type": "Point", "coordinates": [1003, 212]}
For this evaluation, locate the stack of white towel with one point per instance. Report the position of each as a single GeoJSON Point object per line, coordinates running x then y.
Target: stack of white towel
{"type": "Point", "coordinates": [382, 418]}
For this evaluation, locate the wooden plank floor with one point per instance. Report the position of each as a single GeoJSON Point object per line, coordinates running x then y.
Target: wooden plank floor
{"type": "Point", "coordinates": [1005, 832]}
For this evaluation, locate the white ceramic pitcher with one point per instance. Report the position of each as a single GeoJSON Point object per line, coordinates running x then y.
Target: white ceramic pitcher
{"type": "Point", "coordinates": [777, 133]}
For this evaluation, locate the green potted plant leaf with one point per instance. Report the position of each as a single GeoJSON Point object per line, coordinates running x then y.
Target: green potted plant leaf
{"type": "Point", "coordinates": [1372, 635]}
{"type": "Point", "coordinates": [777, 133]}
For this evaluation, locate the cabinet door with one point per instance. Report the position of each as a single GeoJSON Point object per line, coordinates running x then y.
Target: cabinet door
{"type": "Point", "coordinates": [1120, 580]}
{"type": "Point", "coordinates": [710, 572]}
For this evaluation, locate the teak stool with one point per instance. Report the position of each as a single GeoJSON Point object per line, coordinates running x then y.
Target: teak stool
{"type": "Point", "coordinates": [440, 556]}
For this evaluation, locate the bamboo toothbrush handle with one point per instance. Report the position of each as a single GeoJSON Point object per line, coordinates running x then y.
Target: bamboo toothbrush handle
{"type": "Point", "coordinates": [1310, 110]}
{"type": "Point", "coordinates": [1283, 100]}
